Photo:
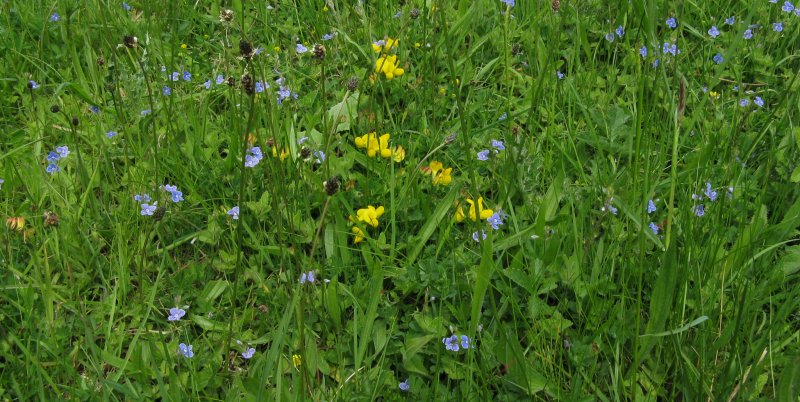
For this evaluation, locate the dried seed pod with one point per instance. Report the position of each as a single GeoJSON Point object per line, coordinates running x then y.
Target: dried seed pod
{"type": "Point", "coordinates": [319, 51]}
{"type": "Point", "coordinates": [414, 13]}
{"type": "Point", "coordinates": [248, 85]}
{"type": "Point", "coordinates": [352, 84]}
{"type": "Point", "coordinates": [55, 109]}
{"type": "Point", "coordinates": [101, 61]}
{"type": "Point", "coordinates": [159, 213]}
{"type": "Point", "coordinates": [226, 15]}
{"type": "Point", "coordinates": [246, 49]}
{"type": "Point", "coordinates": [75, 121]}
{"type": "Point", "coordinates": [332, 185]}
{"type": "Point", "coordinates": [555, 5]}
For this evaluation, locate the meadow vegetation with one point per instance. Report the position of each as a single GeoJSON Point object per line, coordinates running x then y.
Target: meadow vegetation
{"type": "Point", "coordinates": [424, 199]}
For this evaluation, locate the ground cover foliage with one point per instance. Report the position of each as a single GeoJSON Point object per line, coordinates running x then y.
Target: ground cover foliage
{"type": "Point", "coordinates": [432, 200]}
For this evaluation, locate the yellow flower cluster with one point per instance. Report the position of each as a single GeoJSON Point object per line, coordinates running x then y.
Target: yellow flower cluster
{"type": "Point", "coordinates": [368, 216]}
{"type": "Point", "coordinates": [388, 65]}
{"type": "Point", "coordinates": [379, 146]}
{"type": "Point", "coordinates": [439, 175]}
{"type": "Point", "coordinates": [483, 213]}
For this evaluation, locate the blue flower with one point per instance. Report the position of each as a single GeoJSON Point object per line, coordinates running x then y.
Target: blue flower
{"type": "Point", "coordinates": [166, 91]}
{"type": "Point", "coordinates": [94, 109]}
{"type": "Point", "coordinates": [713, 31]}
{"type": "Point", "coordinates": [55, 17]}
{"type": "Point", "coordinates": [320, 156]}
{"type": "Point", "coordinates": [220, 79]}
{"type": "Point", "coordinates": [509, 3]}
{"type": "Point", "coordinates": [671, 22]}
{"type": "Point", "coordinates": [748, 34]}
{"type": "Point", "coordinates": [787, 7]}
{"type": "Point", "coordinates": [145, 112]}
{"type": "Point", "coordinates": [234, 212]}
{"type": "Point", "coordinates": [643, 51]}
{"type": "Point", "coordinates": [502, 117]}
{"type": "Point", "coordinates": [259, 87]}
{"type": "Point", "coordinates": [301, 49]}
{"type": "Point", "coordinates": [718, 58]}
{"type": "Point", "coordinates": [465, 341]}
{"type": "Point", "coordinates": [777, 27]}
{"type": "Point", "coordinates": [148, 209]}
{"type": "Point", "coordinates": [651, 207]}
{"type": "Point", "coordinates": [654, 228]}
{"type": "Point", "coordinates": [404, 386]}
{"type": "Point", "coordinates": [620, 31]}
{"type": "Point", "coordinates": [710, 193]}
{"type": "Point", "coordinates": [33, 85]}
{"type": "Point", "coordinates": [730, 20]}
{"type": "Point", "coordinates": [495, 220]}
{"type": "Point", "coordinates": [111, 134]}
{"type": "Point", "coordinates": [758, 101]}
{"type": "Point", "coordinates": [175, 76]}
{"type": "Point", "coordinates": [327, 37]}
{"type": "Point", "coordinates": [126, 6]}
{"type": "Point", "coordinates": [1, 183]}
{"type": "Point", "coordinates": [483, 155]}
{"type": "Point", "coordinates": [498, 144]}
{"type": "Point", "coordinates": [63, 151]}
{"type": "Point", "coordinates": [248, 354]}
{"type": "Point", "coordinates": [451, 343]}
{"type": "Point", "coordinates": [307, 277]}
{"type": "Point", "coordinates": [478, 236]}
{"type": "Point", "coordinates": [53, 156]}
{"type": "Point", "coordinates": [142, 197]}
{"type": "Point", "coordinates": [52, 168]}
{"type": "Point", "coordinates": [253, 157]}
{"type": "Point", "coordinates": [610, 208]}
{"type": "Point", "coordinates": [670, 48]}
{"type": "Point", "coordinates": [187, 76]}
{"type": "Point", "coordinates": [284, 93]}
{"type": "Point", "coordinates": [744, 102]}
{"type": "Point", "coordinates": [610, 37]}
{"type": "Point", "coordinates": [175, 314]}
{"type": "Point", "coordinates": [559, 75]}
{"type": "Point", "coordinates": [207, 84]}
{"type": "Point", "coordinates": [186, 350]}
{"type": "Point", "coordinates": [177, 195]}
{"type": "Point", "coordinates": [699, 210]}
{"type": "Point", "coordinates": [655, 63]}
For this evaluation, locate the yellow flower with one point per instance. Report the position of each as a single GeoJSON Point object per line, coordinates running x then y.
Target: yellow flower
{"type": "Point", "coordinates": [359, 234]}
{"type": "Point", "coordinates": [417, 45]}
{"type": "Point", "coordinates": [284, 153]}
{"type": "Point", "coordinates": [375, 145]}
{"type": "Point", "coordinates": [399, 153]}
{"type": "Point", "coordinates": [440, 175]}
{"type": "Point", "coordinates": [297, 360]}
{"type": "Point", "coordinates": [388, 66]}
{"type": "Point", "coordinates": [713, 94]}
{"type": "Point", "coordinates": [277, 49]}
{"type": "Point", "coordinates": [16, 223]}
{"type": "Point", "coordinates": [370, 215]}
{"type": "Point", "coordinates": [460, 214]}
{"type": "Point", "coordinates": [483, 213]}
{"type": "Point", "coordinates": [385, 45]}
{"type": "Point", "coordinates": [442, 91]}
{"type": "Point", "coordinates": [183, 46]}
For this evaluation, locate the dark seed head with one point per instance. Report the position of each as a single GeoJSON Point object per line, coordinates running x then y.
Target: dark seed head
{"type": "Point", "coordinates": [319, 51]}
{"type": "Point", "coordinates": [414, 13]}
{"type": "Point", "coordinates": [55, 109]}
{"type": "Point", "coordinates": [516, 49]}
{"type": "Point", "coordinates": [130, 41]}
{"type": "Point", "coordinates": [226, 15]}
{"type": "Point", "coordinates": [246, 49]}
{"type": "Point", "coordinates": [75, 121]}
{"type": "Point", "coordinates": [247, 84]}
{"type": "Point", "coordinates": [101, 61]}
{"type": "Point", "coordinates": [305, 153]}
{"type": "Point", "coordinates": [332, 185]}
{"type": "Point", "coordinates": [231, 82]}
{"type": "Point", "coordinates": [450, 138]}
{"type": "Point", "coordinates": [50, 218]}
{"type": "Point", "coordinates": [271, 142]}
{"type": "Point", "coordinates": [159, 213]}
{"type": "Point", "coordinates": [352, 84]}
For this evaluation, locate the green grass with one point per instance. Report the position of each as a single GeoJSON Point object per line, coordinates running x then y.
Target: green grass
{"type": "Point", "coordinates": [566, 301]}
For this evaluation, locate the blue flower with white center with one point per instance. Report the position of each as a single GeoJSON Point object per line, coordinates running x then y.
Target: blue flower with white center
{"type": "Point", "coordinates": [509, 3]}
{"type": "Point", "coordinates": [498, 145]}
{"type": "Point", "coordinates": [451, 343]}
{"type": "Point", "coordinates": [758, 101]}
{"type": "Point", "coordinates": [710, 192]}
{"type": "Point", "coordinates": [234, 213]}
{"type": "Point", "coordinates": [187, 76]}
{"type": "Point", "coordinates": [643, 51]}
{"type": "Point", "coordinates": [148, 210]}
{"type": "Point", "coordinates": [253, 157]}
{"type": "Point", "coordinates": [559, 75]}
{"type": "Point", "coordinates": [248, 354]}
{"type": "Point", "coordinates": [63, 151]}
{"type": "Point", "coordinates": [186, 350]}
{"type": "Point", "coordinates": [610, 208]}
{"type": "Point", "coordinates": [145, 112]}
{"type": "Point", "coordinates": [610, 37]}
{"type": "Point", "coordinates": [477, 236]}
{"type": "Point", "coordinates": [142, 197]}
{"type": "Point", "coordinates": [111, 134]}
{"type": "Point", "coordinates": [744, 102]}
{"type": "Point", "coordinates": [175, 314]}
{"type": "Point", "coordinates": [404, 386]}
{"type": "Point", "coordinates": [465, 342]}
{"type": "Point", "coordinates": [300, 49]}
{"type": "Point", "coordinates": [748, 34]}
{"type": "Point", "coordinates": [166, 91]}
{"type": "Point", "coordinates": [177, 195]}
{"type": "Point", "coordinates": [220, 79]}
{"type": "Point", "coordinates": [483, 155]}
{"type": "Point", "coordinates": [52, 168]}
{"type": "Point", "coordinates": [671, 22]}
{"type": "Point", "coordinates": [777, 27]}
{"type": "Point", "coordinates": [33, 85]}
{"type": "Point", "coordinates": [175, 76]}
{"type": "Point", "coordinates": [654, 228]}
{"type": "Point", "coordinates": [713, 31]}
{"type": "Point", "coordinates": [651, 207]}
{"type": "Point", "coordinates": [495, 220]}
{"type": "Point", "coordinates": [620, 31]}
{"type": "Point", "coordinates": [320, 157]}
{"type": "Point", "coordinates": [788, 7]}
{"type": "Point", "coordinates": [307, 277]}
{"type": "Point", "coordinates": [730, 20]}
{"type": "Point", "coordinates": [670, 48]}
{"type": "Point", "coordinates": [699, 210]}
{"type": "Point", "coordinates": [126, 6]}
{"type": "Point", "coordinates": [718, 58]}
{"type": "Point", "coordinates": [327, 37]}
{"type": "Point", "coordinates": [207, 84]}
{"type": "Point", "coordinates": [55, 17]}
{"type": "Point", "coordinates": [259, 87]}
